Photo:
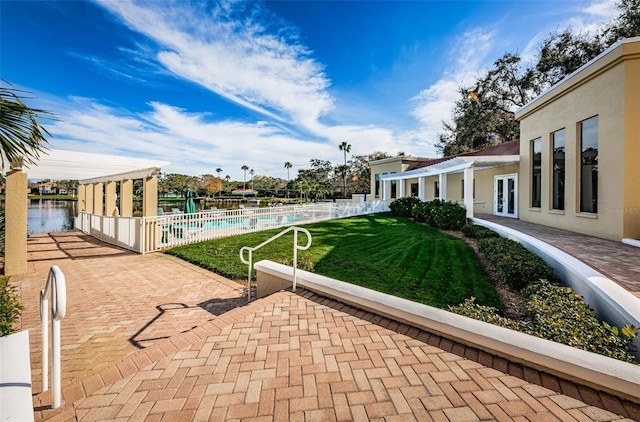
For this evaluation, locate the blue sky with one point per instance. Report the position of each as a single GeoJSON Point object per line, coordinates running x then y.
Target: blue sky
{"type": "Point", "coordinates": [231, 83]}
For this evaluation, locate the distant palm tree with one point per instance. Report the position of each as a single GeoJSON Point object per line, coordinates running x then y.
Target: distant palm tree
{"type": "Point", "coordinates": [288, 165]}
{"type": "Point", "coordinates": [219, 171]}
{"type": "Point", "coordinates": [22, 137]}
{"type": "Point", "coordinates": [345, 147]}
{"type": "Point", "coordinates": [252, 172]}
{"type": "Point", "coordinates": [244, 179]}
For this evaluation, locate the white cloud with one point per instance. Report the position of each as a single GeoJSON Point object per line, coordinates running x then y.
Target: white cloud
{"type": "Point", "coordinates": [236, 58]}
{"type": "Point", "coordinates": [434, 104]}
{"type": "Point", "coordinates": [192, 144]}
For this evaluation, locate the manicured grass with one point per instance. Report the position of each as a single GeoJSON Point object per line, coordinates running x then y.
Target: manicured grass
{"type": "Point", "coordinates": [382, 252]}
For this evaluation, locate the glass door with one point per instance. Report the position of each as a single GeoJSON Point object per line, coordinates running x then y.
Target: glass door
{"type": "Point", "coordinates": [505, 195]}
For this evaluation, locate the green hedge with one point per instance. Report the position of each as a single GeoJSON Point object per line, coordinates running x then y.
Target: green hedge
{"type": "Point", "coordinates": [10, 307]}
{"type": "Point", "coordinates": [403, 206]}
{"type": "Point", "coordinates": [478, 232]}
{"type": "Point", "coordinates": [440, 214]}
{"type": "Point", "coordinates": [557, 313]}
{"type": "Point", "coordinates": [515, 264]}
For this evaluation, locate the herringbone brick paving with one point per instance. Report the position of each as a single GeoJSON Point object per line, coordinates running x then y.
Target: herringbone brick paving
{"type": "Point", "coordinates": [291, 356]}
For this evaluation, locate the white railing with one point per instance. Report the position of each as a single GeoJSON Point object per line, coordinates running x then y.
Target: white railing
{"type": "Point", "coordinates": [181, 229]}
{"type": "Point", "coordinates": [150, 234]}
{"type": "Point", "coordinates": [56, 286]}
{"type": "Point", "coordinates": [296, 248]}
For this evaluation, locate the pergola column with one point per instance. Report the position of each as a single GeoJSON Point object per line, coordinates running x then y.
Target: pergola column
{"type": "Point", "coordinates": [98, 199]}
{"type": "Point", "coordinates": [468, 191]}
{"type": "Point", "coordinates": [15, 259]}
{"type": "Point", "coordinates": [126, 198]}
{"type": "Point", "coordinates": [89, 198]}
{"type": "Point", "coordinates": [442, 180]}
{"type": "Point", "coordinates": [386, 189]}
{"type": "Point", "coordinates": [150, 197]}
{"type": "Point", "coordinates": [82, 198]}
{"type": "Point", "coordinates": [421, 195]}
{"type": "Point", "coordinates": [110, 209]}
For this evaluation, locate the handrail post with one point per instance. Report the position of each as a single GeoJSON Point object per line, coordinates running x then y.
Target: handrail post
{"type": "Point", "coordinates": [249, 276]}
{"type": "Point", "coordinates": [57, 284]}
{"type": "Point", "coordinates": [295, 256]}
{"type": "Point", "coordinates": [44, 317]}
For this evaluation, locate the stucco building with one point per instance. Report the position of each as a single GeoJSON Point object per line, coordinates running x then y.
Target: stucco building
{"type": "Point", "coordinates": [574, 167]}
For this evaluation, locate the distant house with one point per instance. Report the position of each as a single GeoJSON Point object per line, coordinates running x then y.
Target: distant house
{"type": "Point", "coordinates": [575, 167]}
{"type": "Point", "coordinates": [47, 188]}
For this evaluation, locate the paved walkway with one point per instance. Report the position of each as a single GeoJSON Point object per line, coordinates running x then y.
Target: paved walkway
{"type": "Point", "coordinates": [617, 261]}
{"type": "Point", "coordinates": [290, 356]}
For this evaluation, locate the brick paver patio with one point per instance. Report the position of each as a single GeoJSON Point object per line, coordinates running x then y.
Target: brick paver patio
{"type": "Point", "coordinates": [290, 356]}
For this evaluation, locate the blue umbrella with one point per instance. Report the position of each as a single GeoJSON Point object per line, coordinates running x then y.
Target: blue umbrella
{"type": "Point", "coordinates": [189, 205]}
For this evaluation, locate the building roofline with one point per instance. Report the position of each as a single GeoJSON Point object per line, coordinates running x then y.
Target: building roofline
{"type": "Point", "coordinates": [617, 53]}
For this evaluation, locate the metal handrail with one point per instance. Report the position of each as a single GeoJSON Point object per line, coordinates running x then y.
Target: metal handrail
{"type": "Point", "coordinates": [56, 284]}
{"type": "Point", "coordinates": [296, 247]}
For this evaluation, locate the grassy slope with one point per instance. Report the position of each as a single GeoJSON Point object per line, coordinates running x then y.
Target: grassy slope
{"type": "Point", "coordinates": [389, 254]}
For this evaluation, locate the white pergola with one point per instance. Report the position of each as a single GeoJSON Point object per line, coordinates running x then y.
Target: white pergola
{"type": "Point", "coordinates": [460, 164]}
{"type": "Point", "coordinates": [96, 173]}
{"type": "Point", "coordinates": [58, 164]}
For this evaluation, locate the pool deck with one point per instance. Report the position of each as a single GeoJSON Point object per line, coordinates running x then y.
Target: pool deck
{"type": "Point", "coordinates": [151, 337]}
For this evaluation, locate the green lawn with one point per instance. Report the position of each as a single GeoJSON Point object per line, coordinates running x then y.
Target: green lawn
{"type": "Point", "coordinates": [390, 254]}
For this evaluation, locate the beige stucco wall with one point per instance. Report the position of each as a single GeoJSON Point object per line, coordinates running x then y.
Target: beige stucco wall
{"type": "Point", "coordinates": [388, 166]}
{"type": "Point", "coordinates": [599, 94]}
{"type": "Point", "coordinates": [483, 201]}
{"type": "Point", "coordinates": [393, 166]}
{"type": "Point", "coordinates": [631, 188]}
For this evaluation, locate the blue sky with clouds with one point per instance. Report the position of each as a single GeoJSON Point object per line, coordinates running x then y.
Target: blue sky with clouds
{"type": "Point", "coordinates": [228, 83]}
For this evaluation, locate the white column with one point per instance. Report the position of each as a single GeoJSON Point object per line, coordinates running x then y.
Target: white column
{"type": "Point", "coordinates": [443, 186]}
{"type": "Point", "coordinates": [421, 188]}
{"type": "Point", "coordinates": [468, 191]}
{"type": "Point", "coordinates": [401, 183]}
{"type": "Point", "coordinates": [385, 190]}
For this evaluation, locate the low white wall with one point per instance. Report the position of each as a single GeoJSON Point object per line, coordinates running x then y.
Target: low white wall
{"type": "Point", "coordinates": [599, 372]}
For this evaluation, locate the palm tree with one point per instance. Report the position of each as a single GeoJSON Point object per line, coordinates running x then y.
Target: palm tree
{"type": "Point", "coordinates": [244, 179]}
{"type": "Point", "coordinates": [252, 172]}
{"type": "Point", "coordinates": [22, 137]}
{"type": "Point", "coordinates": [345, 147]}
{"type": "Point", "coordinates": [219, 171]}
{"type": "Point", "coordinates": [288, 165]}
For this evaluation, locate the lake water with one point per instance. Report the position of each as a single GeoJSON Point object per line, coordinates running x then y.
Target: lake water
{"type": "Point", "coordinates": [47, 215]}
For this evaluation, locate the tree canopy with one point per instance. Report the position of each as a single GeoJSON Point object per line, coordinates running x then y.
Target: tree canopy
{"type": "Point", "coordinates": [484, 113]}
{"type": "Point", "coordinates": [22, 136]}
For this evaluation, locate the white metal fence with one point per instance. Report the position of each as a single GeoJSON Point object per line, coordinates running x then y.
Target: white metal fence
{"type": "Point", "coordinates": [149, 234]}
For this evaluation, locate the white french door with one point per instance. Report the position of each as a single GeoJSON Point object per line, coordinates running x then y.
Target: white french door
{"type": "Point", "coordinates": [505, 195]}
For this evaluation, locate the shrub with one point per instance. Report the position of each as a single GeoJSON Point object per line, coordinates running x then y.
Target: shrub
{"type": "Point", "coordinates": [485, 313]}
{"type": "Point", "coordinates": [559, 314]}
{"type": "Point", "coordinates": [440, 214]}
{"type": "Point", "coordinates": [10, 307]}
{"type": "Point", "coordinates": [403, 206]}
{"type": "Point", "coordinates": [478, 232]}
{"type": "Point", "coordinates": [515, 264]}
